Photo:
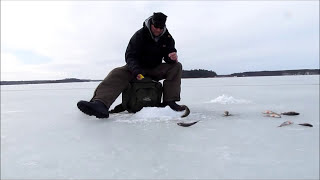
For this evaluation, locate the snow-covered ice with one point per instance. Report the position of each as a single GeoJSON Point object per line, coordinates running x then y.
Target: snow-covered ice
{"type": "Point", "coordinates": [45, 136]}
{"type": "Point", "coordinates": [225, 99]}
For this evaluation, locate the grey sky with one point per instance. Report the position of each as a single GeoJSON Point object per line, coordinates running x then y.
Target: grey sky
{"type": "Point", "coordinates": [83, 39]}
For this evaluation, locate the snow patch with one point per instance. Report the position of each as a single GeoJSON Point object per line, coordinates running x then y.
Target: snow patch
{"type": "Point", "coordinates": [225, 99]}
{"type": "Point", "coordinates": [151, 114]}
{"type": "Point", "coordinates": [9, 112]}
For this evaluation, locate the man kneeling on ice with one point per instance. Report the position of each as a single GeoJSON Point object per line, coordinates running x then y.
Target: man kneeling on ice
{"type": "Point", "coordinates": [146, 49]}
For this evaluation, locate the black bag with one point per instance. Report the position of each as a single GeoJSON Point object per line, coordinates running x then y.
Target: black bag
{"type": "Point", "coordinates": [139, 94]}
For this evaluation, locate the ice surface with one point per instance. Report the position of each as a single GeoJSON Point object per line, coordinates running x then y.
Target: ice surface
{"type": "Point", "coordinates": [45, 136]}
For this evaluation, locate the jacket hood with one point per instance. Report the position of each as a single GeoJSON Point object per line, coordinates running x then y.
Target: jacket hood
{"type": "Point", "coordinates": [147, 23]}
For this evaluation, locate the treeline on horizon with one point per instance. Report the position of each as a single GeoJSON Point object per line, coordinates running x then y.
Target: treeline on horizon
{"type": "Point", "coordinates": [202, 73]}
{"type": "Point", "coordinates": [67, 80]}
{"type": "Point", "coordinates": [278, 73]}
{"type": "Point", "coordinates": [198, 73]}
{"type": "Point", "coordinates": [195, 73]}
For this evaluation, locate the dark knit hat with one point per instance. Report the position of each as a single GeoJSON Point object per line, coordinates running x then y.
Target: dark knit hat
{"type": "Point", "coordinates": [159, 20]}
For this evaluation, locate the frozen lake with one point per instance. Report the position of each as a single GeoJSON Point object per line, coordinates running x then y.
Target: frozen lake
{"type": "Point", "coordinates": [45, 136]}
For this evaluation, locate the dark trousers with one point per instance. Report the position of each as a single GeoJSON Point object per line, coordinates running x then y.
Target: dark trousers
{"type": "Point", "coordinates": [119, 78]}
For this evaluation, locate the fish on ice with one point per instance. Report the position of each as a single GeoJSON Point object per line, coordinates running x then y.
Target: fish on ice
{"type": "Point", "coordinates": [186, 124]}
{"type": "Point", "coordinates": [275, 115]}
{"type": "Point", "coordinates": [290, 113]}
{"type": "Point", "coordinates": [286, 123]}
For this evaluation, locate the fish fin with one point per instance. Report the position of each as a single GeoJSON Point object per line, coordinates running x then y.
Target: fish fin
{"type": "Point", "coordinates": [187, 111]}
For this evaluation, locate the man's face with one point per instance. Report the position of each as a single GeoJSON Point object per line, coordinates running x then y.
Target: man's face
{"type": "Point", "coordinates": [156, 31]}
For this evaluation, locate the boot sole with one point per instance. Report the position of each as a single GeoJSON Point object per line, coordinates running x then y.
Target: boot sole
{"type": "Point", "coordinates": [87, 110]}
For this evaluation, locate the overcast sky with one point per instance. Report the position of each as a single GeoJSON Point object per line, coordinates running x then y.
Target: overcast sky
{"type": "Point", "coordinates": [83, 39]}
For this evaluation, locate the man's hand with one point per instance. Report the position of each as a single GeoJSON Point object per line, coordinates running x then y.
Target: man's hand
{"type": "Point", "coordinates": [140, 76]}
{"type": "Point", "coordinates": [173, 56]}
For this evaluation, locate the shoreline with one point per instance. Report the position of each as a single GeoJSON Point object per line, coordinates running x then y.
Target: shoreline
{"type": "Point", "coordinates": [301, 72]}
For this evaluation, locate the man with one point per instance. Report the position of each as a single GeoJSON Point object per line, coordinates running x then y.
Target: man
{"type": "Point", "coordinates": [145, 52]}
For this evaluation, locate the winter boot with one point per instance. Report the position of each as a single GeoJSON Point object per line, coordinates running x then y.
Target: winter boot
{"type": "Point", "coordinates": [94, 108]}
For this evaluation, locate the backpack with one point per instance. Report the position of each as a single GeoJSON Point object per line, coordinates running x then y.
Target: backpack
{"type": "Point", "coordinates": [139, 94]}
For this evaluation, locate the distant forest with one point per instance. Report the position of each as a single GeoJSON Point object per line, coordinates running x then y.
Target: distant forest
{"type": "Point", "coordinates": [67, 80]}
{"type": "Point", "coordinates": [278, 73]}
{"type": "Point", "coordinates": [196, 73]}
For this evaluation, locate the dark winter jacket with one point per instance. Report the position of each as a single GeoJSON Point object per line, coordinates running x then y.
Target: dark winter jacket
{"type": "Point", "coordinates": [146, 52]}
